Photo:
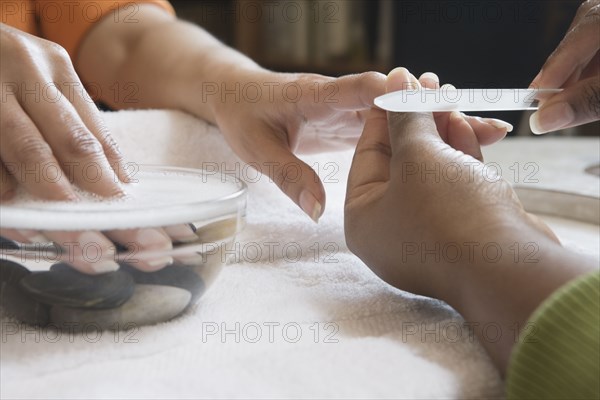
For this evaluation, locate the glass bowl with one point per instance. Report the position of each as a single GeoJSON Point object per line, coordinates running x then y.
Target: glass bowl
{"type": "Point", "coordinates": [120, 263]}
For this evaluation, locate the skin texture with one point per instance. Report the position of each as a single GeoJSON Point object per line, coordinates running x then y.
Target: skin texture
{"type": "Point", "coordinates": [395, 214]}
{"type": "Point", "coordinates": [574, 66]}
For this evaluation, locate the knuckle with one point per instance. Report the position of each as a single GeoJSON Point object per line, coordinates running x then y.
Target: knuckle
{"type": "Point", "coordinates": [59, 54]}
{"type": "Point", "coordinates": [30, 148]}
{"type": "Point", "coordinates": [592, 16]}
{"type": "Point", "coordinates": [11, 125]}
{"type": "Point", "coordinates": [81, 143]}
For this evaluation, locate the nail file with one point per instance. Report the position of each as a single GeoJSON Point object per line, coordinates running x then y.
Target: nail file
{"type": "Point", "coordinates": [450, 99]}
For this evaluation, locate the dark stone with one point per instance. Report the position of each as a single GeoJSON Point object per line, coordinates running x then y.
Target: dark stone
{"type": "Point", "coordinates": [176, 275]}
{"type": "Point", "coordinates": [65, 286]}
{"type": "Point", "coordinates": [150, 304]}
{"type": "Point", "coordinates": [7, 244]}
{"type": "Point", "coordinates": [12, 272]}
{"type": "Point", "coordinates": [15, 302]}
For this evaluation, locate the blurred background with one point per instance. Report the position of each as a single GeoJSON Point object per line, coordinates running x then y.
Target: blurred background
{"type": "Point", "coordinates": [469, 43]}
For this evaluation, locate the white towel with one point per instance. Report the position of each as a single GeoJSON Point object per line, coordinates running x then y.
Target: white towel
{"type": "Point", "coordinates": [309, 322]}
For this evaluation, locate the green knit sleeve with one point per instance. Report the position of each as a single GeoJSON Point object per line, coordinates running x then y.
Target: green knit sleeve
{"type": "Point", "coordinates": [560, 357]}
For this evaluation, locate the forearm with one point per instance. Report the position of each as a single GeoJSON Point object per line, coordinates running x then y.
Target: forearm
{"type": "Point", "coordinates": [498, 297]}
{"type": "Point", "coordinates": [164, 62]}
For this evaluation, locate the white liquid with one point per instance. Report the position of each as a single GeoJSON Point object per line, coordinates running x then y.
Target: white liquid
{"type": "Point", "coordinates": [160, 197]}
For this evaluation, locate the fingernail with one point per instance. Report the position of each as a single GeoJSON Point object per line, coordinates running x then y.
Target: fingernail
{"type": "Point", "coordinates": [310, 205]}
{"type": "Point", "coordinates": [455, 115]}
{"type": "Point", "coordinates": [181, 233]}
{"type": "Point", "coordinates": [551, 118]}
{"type": "Point", "coordinates": [33, 236]}
{"type": "Point", "coordinates": [498, 123]}
{"type": "Point", "coordinates": [103, 266]}
{"type": "Point", "coordinates": [431, 76]}
{"type": "Point", "coordinates": [160, 262]}
{"type": "Point", "coordinates": [151, 238]}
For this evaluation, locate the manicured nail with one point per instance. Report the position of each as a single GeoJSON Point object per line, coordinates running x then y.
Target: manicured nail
{"type": "Point", "coordinates": [151, 238]}
{"type": "Point", "coordinates": [431, 77]}
{"type": "Point", "coordinates": [103, 266]}
{"type": "Point", "coordinates": [455, 115]}
{"type": "Point", "coordinates": [310, 205]}
{"type": "Point", "coordinates": [498, 123]}
{"type": "Point", "coordinates": [181, 233]}
{"type": "Point", "coordinates": [160, 262]}
{"type": "Point", "coordinates": [551, 118]}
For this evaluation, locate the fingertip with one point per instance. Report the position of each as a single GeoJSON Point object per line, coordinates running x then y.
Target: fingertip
{"type": "Point", "coordinates": [535, 82]}
{"type": "Point", "coordinates": [310, 205]}
{"type": "Point", "coordinates": [499, 124]}
{"type": "Point", "coordinates": [429, 80]}
{"type": "Point", "coordinates": [401, 79]}
{"type": "Point", "coordinates": [534, 124]}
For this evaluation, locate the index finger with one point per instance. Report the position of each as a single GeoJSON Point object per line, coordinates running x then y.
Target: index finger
{"type": "Point", "coordinates": [573, 54]}
{"type": "Point", "coordinates": [354, 92]}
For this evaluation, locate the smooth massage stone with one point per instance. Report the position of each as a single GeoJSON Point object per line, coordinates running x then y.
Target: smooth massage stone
{"type": "Point", "coordinates": [216, 231]}
{"type": "Point", "coordinates": [150, 304]}
{"type": "Point", "coordinates": [175, 275]}
{"type": "Point", "coordinates": [64, 286]}
{"type": "Point", "coordinates": [13, 301]}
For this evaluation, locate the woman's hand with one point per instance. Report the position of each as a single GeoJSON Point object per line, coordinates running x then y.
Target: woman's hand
{"type": "Point", "coordinates": [52, 137]}
{"type": "Point", "coordinates": [51, 132]}
{"type": "Point", "coordinates": [574, 66]}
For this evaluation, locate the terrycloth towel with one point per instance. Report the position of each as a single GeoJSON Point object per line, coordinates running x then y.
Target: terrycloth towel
{"type": "Point", "coordinates": [297, 316]}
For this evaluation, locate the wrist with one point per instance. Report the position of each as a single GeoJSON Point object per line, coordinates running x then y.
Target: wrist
{"type": "Point", "coordinates": [219, 83]}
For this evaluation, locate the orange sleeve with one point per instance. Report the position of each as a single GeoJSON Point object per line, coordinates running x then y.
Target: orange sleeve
{"type": "Point", "coordinates": [66, 22]}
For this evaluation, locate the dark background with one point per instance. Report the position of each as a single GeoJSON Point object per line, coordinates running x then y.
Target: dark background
{"type": "Point", "coordinates": [468, 43]}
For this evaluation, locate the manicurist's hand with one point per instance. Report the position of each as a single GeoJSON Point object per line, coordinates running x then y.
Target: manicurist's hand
{"type": "Point", "coordinates": [433, 220]}
{"type": "Point", "coordinates": [408, 185]}
{"type": "Point", "coordinates": [574, 66]}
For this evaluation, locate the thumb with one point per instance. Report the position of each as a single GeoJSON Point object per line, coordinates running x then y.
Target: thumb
{"type": "Point", "coordinates": [408, 127]}
{"type": "Point", "coordinates": [576, 105]}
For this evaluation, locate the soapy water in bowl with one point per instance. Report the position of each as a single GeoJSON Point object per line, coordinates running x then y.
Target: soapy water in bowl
{"type": "Point", "coordinates": [155, 198]}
